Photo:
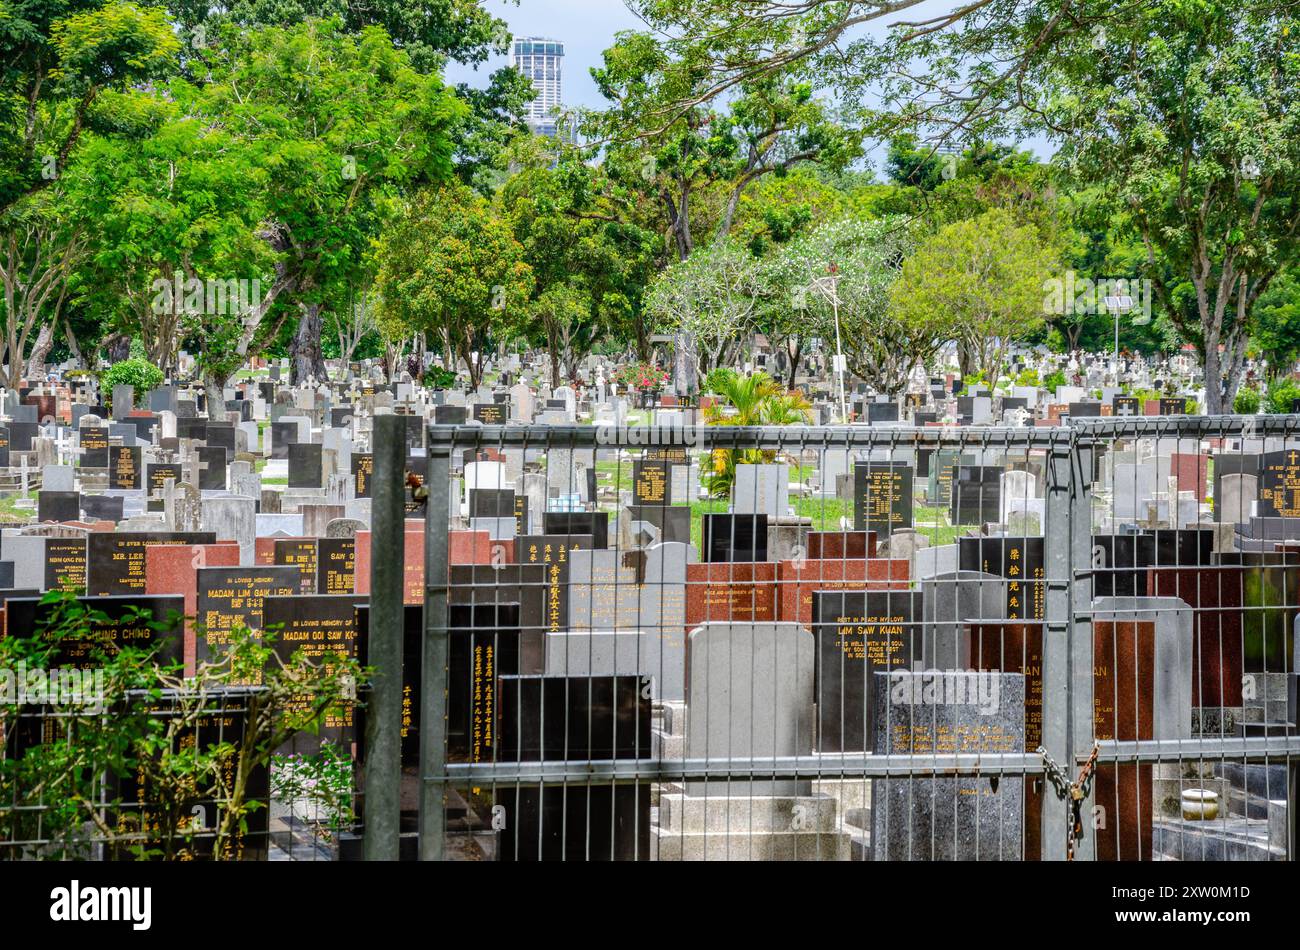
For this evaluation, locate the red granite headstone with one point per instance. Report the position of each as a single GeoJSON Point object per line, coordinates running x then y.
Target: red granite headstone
{"type": "Point", "coordinates": [1215, 596]}
{"type": "Point", "coordinates": [840, 544]}
{"type": "Point", "coordinates": [413, 583]}
{"type": "Point", "coordinates": [798, 580]}
{"type": "Point", "coordinates": [1123, 687]}
{"type": "Point", "coordinates": [1192, 472]}
{"type": "Point", "coordinates": [469, 547]}
{"type": "Point", "coordinates": [169, 569]}
{"type": "Point", "coordinates": [730, 591]}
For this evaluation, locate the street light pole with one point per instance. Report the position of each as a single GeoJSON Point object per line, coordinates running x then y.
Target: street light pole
{"type": "Point", "coordinates": [828, 287]}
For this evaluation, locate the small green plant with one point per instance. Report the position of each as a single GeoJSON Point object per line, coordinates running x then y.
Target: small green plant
{"type": "Point", "coordinates": [149, 763]}
{"type": "Point", "coordinates": [1144, 396]}
{"type": "Point", "coordinates": [1055, 379]}
{"type": "Point", "coordinates": [439, 378]}
{"type": "Point", "coordinates": [1027, 377]}
{"type": "Point", "coordinates": [719, 380]}
{"type": "Point", "coordinates": [1282, 393]}
{"type": "Point", "coordinates": [140, 374]}
{"type": "Point", "coordinates": [324, 781]}
{"type": "Point", "coordinates": [1246, 403]}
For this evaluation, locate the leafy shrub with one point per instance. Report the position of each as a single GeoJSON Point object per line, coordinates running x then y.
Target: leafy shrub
{"type": "Point", "coordinates": [1055, 379]}
{"type": "Point", "coordinates": [141, 374]}
{"type": "Point", "coordinates": [1246, 403]}
{"type": "Point", "coordinates": [138, 723]}
{"type": "Point", "coordinates": [1027, 377]}
{"type": "Point", "coordinates": [643, 377]}
{"type": "Point", "coordinates": [439, 378]}
{"type": "Point", "coordinates": [1281, 393]}
{"type": "Point", "coordinates": [719, 380]}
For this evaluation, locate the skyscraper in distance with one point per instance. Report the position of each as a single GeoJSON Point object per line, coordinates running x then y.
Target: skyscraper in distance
{"type": "Point", "coordinates": [541, 60]}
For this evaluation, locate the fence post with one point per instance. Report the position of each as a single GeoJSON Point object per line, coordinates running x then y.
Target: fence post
{"type": "Point", "coordinates": [1079, 695]}
{"type": "Point", "coordinates": [383, 766]}
{"type": "Point", "coordinates": [1058, 528]}
{"type": "Point", "coordinates": [433, 693]}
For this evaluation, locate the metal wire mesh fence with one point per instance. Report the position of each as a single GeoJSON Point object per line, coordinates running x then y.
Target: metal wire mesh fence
{"type": "Point", "coordinates": [672, 642]}
{"type": "Point", "coordinates": [861, 643]}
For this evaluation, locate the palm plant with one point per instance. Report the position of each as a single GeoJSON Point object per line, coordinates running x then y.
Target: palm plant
{"type": "Point", "coordinates": [754, 400]}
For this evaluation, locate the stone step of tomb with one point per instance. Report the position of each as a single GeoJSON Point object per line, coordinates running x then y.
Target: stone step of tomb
{"type": "Point", "coordinates": [1254, 730]}
{"type": "Point", "coordinates": [1256, 778]}
{"type": "Point", "coordinates": [673, 713]}
{"type": "Point", "coordinates": [742, 814]}
{"type": "Point", "coordinates": [1223, 839]}
{"type": "Point", "coordinates": [670, 746]}
{"type": "Point", "coordinates": [761, 846]}
{"type": "Point", "coordinates": [1244, 804]}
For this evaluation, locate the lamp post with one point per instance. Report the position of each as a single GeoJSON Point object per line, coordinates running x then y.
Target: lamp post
{"type": "Point", "coordinates": [827, 287]}
{"type": "Point", "coordinates": [1118, 305]}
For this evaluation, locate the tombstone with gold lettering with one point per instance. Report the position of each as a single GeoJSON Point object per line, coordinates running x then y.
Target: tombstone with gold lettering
{"type": "Point", "coordinates": [943, 818]}
{"type": "Point", "coordinates": [859, 633]}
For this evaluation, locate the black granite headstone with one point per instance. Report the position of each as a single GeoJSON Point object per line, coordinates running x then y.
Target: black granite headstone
{"type": "Point", "coordinates": [58, 506]}
{"type": "Point", "coordinates": [545, 718]}
{"type": "Point", "coordinates": [882, 497]}
{"type": "Point", "coordinates": [102, 507]}
{"type": "Point", "coordinates": [728, 537]}
{"type": "Point", "coordinates": [859, 633]}
{"type": "Point", "coordinates": [115, 560]}
{"type": "Point", "coordinates": [305, 465]}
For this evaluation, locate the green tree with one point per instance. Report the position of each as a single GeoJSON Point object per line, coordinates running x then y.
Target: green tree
{"type": "Point", "coordinates": [589, 266]}
{"type": "Point", "coordinates": [842, 273]}
{"type": "Point", "coordinates": [176, 212]}
{"type": "Point", "coordinates": [430, 32]}
{"type": "Point", "coordinates": [1185, 117]}
{"type": "Point", "coordinates": [450, 268]}
{"type": "Point", "coordinates": [339, 124]}
{"type": "Point", "coordinates": [59, 59]}
{"type": "Point", "coordinates": [699, 162]}
{"type": "Point", "coordinates": [42, 242]}
{"type": "Point", "coordinates": [1276, 333]}
{"type": "Point", "coordinates": [986, 273]}
{"type": "Point", "coordinates": [712, 297]}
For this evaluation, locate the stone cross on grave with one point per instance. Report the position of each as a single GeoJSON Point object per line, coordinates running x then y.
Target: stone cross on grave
{"type": "Point", "coordinates": [63, 445]}
{"type": "Point", "coordinates": [193, 465]}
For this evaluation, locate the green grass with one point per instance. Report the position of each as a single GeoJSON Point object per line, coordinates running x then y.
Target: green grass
{"type": "Point", "coordinates": [9, 510]}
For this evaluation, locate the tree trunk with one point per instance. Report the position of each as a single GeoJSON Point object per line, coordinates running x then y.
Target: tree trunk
{"type": "Point", "coordinates": [553, 351]}
{"type": "Point", "coordinates": [40, 350]}
{"type": "Point", "coordinates": [305, 351]}
{"type": "Point", "coordinates": [116, 348]}
{"type": "Point", "coordinates": [73, 346]}
{"type": "Point", "coordinates": [794, 350]}
{"type": "Point", "coordinates": [213, 391]}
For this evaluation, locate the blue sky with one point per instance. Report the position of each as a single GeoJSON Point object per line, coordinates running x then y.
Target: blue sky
{"type": "Point", "coordinates": [587, 28]}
